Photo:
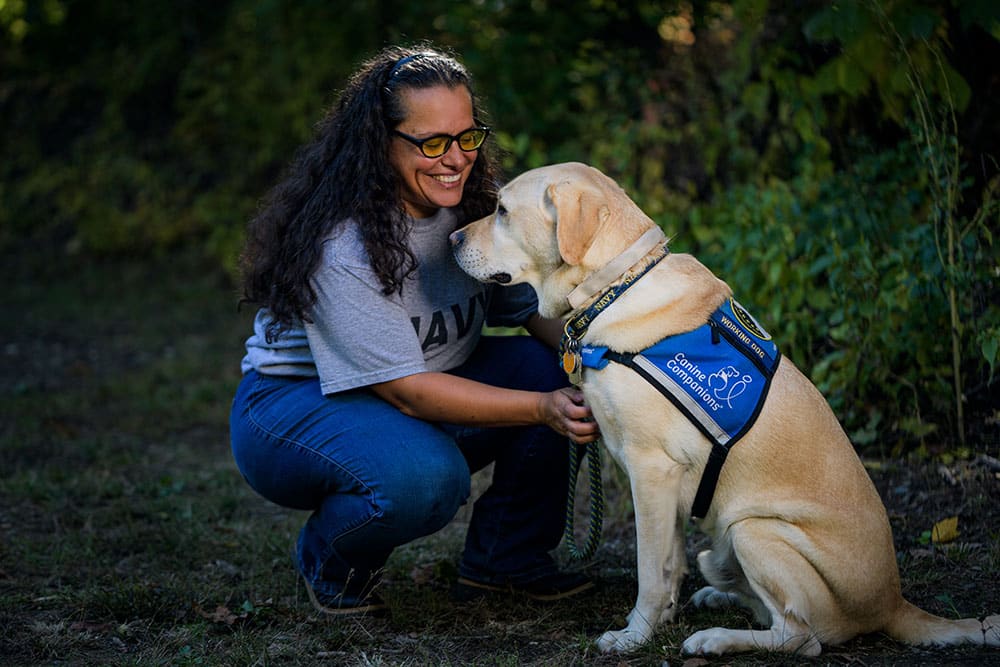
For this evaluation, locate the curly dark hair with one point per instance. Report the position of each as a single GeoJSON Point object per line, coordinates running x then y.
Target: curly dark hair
{"type": "Point", "coordinates": [344, 172]}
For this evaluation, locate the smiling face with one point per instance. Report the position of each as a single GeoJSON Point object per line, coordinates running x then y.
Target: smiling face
{"type": "Point", "coordinates": [429, 184]}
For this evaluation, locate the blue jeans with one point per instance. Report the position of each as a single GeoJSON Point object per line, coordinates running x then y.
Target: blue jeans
{"type": "Point", "coordinates": [375, 479]}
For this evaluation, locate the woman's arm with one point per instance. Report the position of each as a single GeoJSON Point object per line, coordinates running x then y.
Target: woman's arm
{"type": "Point", "coordinates": [447, 398]}
{"type": "Point", "coordinates": [546, 329]}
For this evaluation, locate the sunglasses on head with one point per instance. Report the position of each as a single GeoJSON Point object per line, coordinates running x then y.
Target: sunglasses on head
{"type": "Point", "coordinates": [438, 145]}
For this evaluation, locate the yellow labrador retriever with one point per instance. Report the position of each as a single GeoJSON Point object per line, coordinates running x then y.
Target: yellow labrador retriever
{"type": "Point", "coordinates": [799, 533]}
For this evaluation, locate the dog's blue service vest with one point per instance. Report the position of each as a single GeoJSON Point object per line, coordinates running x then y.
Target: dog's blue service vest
{"type": "Point", "coordinates": [718, 375]}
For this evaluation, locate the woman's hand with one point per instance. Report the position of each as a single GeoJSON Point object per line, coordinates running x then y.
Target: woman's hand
{"type": "Point", "coordinates": [440, 397]}
{"type": "Point", "coordinates": [565, 412]}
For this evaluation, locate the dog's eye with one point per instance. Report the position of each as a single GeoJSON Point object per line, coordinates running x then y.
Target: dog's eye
{"type": "Point", "coordinates": [501, 211]}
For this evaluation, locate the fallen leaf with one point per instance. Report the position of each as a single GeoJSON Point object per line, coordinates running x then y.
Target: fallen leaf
{"type": "Point", "coordinates": [220, 615]}
{"type": "Point", "coordinates": [695, 662]}
{"type": "Point", "coordinates": [945, 530]}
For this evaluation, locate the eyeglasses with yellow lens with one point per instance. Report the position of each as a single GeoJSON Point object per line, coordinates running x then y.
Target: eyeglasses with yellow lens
{"type": "Point", "coordinates": [436, 146]}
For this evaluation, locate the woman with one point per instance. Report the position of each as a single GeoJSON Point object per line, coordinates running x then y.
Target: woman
{"type": "Point", "coordinates": [368, 393]}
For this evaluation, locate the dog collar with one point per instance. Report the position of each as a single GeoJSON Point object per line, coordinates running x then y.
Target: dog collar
{"type": "Point", "coordinates": [576, 327]}
{"type": "Point", "coordinates": [614, 269]}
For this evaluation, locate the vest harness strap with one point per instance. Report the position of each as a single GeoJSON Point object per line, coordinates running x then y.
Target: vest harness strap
{"type": "Point", "coordinates": [717, 375]}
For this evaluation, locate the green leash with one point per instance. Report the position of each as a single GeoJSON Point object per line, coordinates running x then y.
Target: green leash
{"type": "Point", "coordinates": [593, 454]}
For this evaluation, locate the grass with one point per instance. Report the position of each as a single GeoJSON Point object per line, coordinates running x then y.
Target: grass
{"type": "Point", "coordinates": [127, 537]}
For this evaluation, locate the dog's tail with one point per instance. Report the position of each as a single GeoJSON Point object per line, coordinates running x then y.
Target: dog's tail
{"type": "Point", "coordinates": [913, 625]}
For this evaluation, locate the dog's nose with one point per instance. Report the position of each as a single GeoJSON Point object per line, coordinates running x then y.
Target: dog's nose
{"type": "Point", "coordinates": [457, 238]}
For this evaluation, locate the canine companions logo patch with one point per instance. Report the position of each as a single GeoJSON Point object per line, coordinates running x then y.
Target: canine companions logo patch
{"type": "Point", "coordinates": [718, 375]}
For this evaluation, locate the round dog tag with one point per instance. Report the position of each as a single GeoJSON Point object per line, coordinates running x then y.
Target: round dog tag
{"type": "Point", "coordinates": [569, 362]}
{"type": "Point", "coordinates": [573, 365]}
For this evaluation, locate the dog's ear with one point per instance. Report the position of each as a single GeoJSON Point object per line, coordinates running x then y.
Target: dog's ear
{"type": "Point", "coordinates": [579, 213]}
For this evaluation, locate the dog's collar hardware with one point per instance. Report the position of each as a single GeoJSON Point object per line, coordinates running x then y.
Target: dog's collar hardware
{"type": "Point", "coordinates": [576, 327]}
{"type": "Point", "coordinates": [615, 269]}
{"type": "Point", "coordinates": [571, 361]}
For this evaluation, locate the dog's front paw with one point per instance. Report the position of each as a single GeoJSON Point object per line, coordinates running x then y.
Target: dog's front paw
{"type": "Point", "coordinates": [621, 641]}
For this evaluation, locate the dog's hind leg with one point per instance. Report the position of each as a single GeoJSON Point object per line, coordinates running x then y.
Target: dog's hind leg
{"type": "Point", "coordinates": [660, 556]}
{"type": "Point", "coordinates": [789, 635]}
{"type": "Point", "coordinates": [784, 583]}
{"type": "Point", "coordinates": [728, 585]}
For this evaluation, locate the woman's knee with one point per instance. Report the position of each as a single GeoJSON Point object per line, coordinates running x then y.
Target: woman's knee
{"type": "Point", "coordinates": [426, 497]}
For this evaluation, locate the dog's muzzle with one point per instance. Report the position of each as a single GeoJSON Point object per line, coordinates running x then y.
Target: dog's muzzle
{"type": "Point", "coordinates": [457, 238]}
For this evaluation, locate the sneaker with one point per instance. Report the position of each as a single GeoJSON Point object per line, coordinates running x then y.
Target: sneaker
{"type": "Point", "coordinates": [548, 588]}
{"type": "Point", "coordinates": [372, 605]}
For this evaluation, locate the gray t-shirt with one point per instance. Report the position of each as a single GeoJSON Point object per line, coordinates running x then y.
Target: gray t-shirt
{"type": "Point", "coordinates": [359, 336]}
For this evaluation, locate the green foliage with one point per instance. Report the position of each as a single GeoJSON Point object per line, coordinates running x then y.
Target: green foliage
{"type": "Point", "coordinates": [869, 61]}
{"type": "Point", "coordinates": [776, 140]}
{"type": "Point", "coordinates": [845, 272]}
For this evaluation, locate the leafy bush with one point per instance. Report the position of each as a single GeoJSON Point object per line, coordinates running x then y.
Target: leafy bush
{"type": "Point", "coordinates": [847, 273]}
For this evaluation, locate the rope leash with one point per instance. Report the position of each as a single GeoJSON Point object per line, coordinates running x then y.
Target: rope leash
{"type": "Point", "coordinates": [593, 453]}
{"type": "Point", "coordinates": [621, 277]}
